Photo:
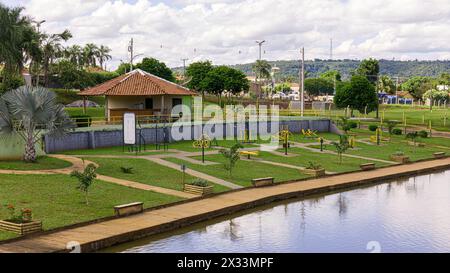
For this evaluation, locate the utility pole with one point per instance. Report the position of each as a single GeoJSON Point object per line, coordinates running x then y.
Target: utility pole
{"type": "Point", "coordinates": [260, 43]}
{"type": "Point", "coordinates": [302, 82]}
{"type": "Point", "coordinates": [396, 90]}
{"type": "Point", "coordinates": [331, 48]}
{"type": "Point", "coordinates": [130, 49]}
{"type": "Point", "coordinates": [184, 67]}
{"type": "Point", "coordinates": [38, 27]}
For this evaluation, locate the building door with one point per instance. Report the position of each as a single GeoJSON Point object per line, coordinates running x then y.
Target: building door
{"type": "Point", "coordinates": [148, 103]}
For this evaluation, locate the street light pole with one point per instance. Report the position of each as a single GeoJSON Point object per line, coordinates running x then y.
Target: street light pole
{"type": "Point", "coordinates": [38, 27]}
{"type": "Point", "coordinates": [260, 43]}
{"type": "Point", "coordinates": [302, 82]}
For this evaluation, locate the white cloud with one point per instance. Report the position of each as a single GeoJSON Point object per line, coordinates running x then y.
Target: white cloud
{"type": "Point", "coordinates": [220, 29]}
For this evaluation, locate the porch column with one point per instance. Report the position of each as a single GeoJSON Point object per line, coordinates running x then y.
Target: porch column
{"type": "Point", "coordinates": [162, 104]}
{"type": "Point", "coordinates": [106, 109]}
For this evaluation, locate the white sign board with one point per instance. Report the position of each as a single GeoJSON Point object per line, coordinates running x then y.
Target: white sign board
{"type": "Point", "coordinates": [129, 128]}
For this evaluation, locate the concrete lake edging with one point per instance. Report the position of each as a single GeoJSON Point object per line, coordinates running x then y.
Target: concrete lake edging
{"type": "Point", "coordinates": [274, 193]}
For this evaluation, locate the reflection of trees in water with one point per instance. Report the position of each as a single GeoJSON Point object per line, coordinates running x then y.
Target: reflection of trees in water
{"type": "Point", "coordinates": [303, 217]}
{"type": "Point", "coordinates": [313, 202]}
{"type": "Point", "coordinates": [231, 230]}
{"type": "Point", "coordinates": [342, 204]}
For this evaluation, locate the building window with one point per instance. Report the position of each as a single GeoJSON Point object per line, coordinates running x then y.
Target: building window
{"type": "Point", "coordinates": [148, 103]}
{"type": "Point", "coordinates": [176, 101]}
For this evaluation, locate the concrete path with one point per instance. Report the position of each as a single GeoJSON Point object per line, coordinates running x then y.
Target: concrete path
{"type": "Point", "coordinates": [194, 173]}
{"type": "Point", "coordinates": [103, 234]}
{"type": "Point", "coordinates": [146, 187]}
{"type": "Point", "coordinates": [283, 165]}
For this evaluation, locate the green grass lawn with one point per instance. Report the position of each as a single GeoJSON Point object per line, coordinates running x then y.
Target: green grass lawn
{"type": "Point", "coordinates": [328, 161]}
{"type": "Point", "coordinates": [384, 150]}
{"type": "Point", "coordinates": [117, 150]}
{"type": "Point", "coordinates": [43, 163]}
{"type": "Point", "coordinates": [95, 112]}
{"type": "Point", "coordinates": [243, 172]}
{"type": "Point", "coordinates": [146, 172]}
{"type": "Point", "coordinates": [55, 200]}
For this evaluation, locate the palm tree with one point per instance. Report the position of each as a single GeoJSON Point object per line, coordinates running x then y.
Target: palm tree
{"type": "Point", "coordinates": [27, 112]}
{"type": "Point", "coordinates": [103, 55]}
{"type": "Point", "coordinates": [52, 49]}
{"type": "Point", "coordinates": [75, 55]}
{"type": "Point", "coordinates": [90, 52]}
{"type": "Point", "coordinates": [17, 38]}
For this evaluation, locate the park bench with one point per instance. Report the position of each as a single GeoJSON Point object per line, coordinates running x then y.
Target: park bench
{"type": "Point", "coordinates": [367, 166]}
{"type": "Point", "coordinates": [259, 182]}
{"type": "Point", "coordinates": [128, 209]}
{"type": "Point", "coordinates": [249, 153]}
{"type": "Point", "coordinates": [439, 155]}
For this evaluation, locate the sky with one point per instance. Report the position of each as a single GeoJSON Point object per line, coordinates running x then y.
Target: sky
{"type": "Point", "coordinates": [225, 31]}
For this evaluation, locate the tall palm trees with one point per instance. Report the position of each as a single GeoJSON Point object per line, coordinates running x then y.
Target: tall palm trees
{"type": "Point", "coordinates": [90, 52]}
{"type": "Point", "coordinates": [103, 55]}
{"type": "Point", "coordinates": [52, 49]}
{"type": "Point", "coordinates": [17, 41]}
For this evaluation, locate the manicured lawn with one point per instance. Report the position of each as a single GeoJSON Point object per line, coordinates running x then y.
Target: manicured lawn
{"type": "Point", "coordinates": [328, 161]}
{"type": "Point", "coordinates": [117, 150]}
{"type": "Point", "coordinates": [243, 172]}
{"type": "Point", "coordinates": [302, 139]}
{"type": "Point", "coordinates": [146, 172]}
{"type": "Point", "coordinates": [43, 163]}
{"type": "Point", "coordinates": [55, 200]}
{"type": "Point", "coordinates": [384, 150]}
{"type": "Point", "coordinates": [95, 112]}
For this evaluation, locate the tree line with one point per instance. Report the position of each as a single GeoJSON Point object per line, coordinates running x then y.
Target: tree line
{"type": "Point", "coordinates": [23, 45]}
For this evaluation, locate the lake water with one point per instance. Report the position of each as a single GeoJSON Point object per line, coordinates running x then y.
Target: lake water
{"type": "Point", "coordinates": [409, 215]}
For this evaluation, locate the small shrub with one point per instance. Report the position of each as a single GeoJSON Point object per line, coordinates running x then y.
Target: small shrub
{"type": "Point", "coordinates": [126, 169]}
{"type": "Point", "coordinates": [25, 215]}
{"type": "Point", "coordinates": [353, 125]}
{"type": "Point", "coordinates": [82, 120]}
{"type": "Point", "coordinates": [397, 131]}
{"type": "Point", "coordinates": [200, 182]}
{"type": "Point", "coordinates": [313, 166]}
{"type": "Point", "coordinates": [423, 134]}
{"type": "Point", "coordinates": [373, 127]}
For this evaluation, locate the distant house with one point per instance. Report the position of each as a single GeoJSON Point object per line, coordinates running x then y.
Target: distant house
{"type": "Point", "coordinates": [141, 93]}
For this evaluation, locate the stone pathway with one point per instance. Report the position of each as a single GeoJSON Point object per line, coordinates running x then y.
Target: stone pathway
{"type": "Point", "coordinates": [119, 230]}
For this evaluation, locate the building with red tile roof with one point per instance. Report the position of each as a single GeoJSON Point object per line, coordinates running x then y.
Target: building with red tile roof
{"type": "Point", "coordinates": [140, 92]}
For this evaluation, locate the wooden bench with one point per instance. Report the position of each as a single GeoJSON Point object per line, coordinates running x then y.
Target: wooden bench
{"type": "Point", "coordinates": [367, 166]}
{"type": "Point", "coordinates": [259, 182]}
{"type": "Point", "coordinates": [439, 155]}
{"type": "Point", "coordinates": [128, 209]}
{"type": "Point", "coordinates": [249, 153]}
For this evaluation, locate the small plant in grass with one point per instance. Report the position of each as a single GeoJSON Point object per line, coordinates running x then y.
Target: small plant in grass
{"type": "Point", "coordinates": [85, 179]}
{"type": "Point", "coordinates": [413, 136]}
{"type": "Point", "coordinates": [345, 124]}
{"type": "Point", "coordinates": [232, 157]}
{"type": "Point", "coordinates": [341, 146]}
{"type": "Point", "coordinates": [373, 127]}
{"type": "Point", "coordinates": [199, 182]}
{"type": "Point", "coordinates": [313, 166]}
{"type": "Point", "coordinates": [397, 131]}
{"type": "Point", "coordinates": [391, 125]}
{"type": "Point", "coordinates": [399, 153]}
{"type": "Point", "coordinates": [423, 134]}
{"type": "Point", "coordinates": [127, 170]}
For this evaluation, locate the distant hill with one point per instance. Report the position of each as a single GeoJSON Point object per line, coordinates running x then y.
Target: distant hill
{"type": "Point", "coordinates": [387, 67]}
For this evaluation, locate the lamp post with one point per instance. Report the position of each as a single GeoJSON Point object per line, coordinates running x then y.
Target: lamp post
{"type": "Point", "coordinates": [38, 27]}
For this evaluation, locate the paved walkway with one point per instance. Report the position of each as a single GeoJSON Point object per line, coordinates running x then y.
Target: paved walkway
{"type": "Point", "coordinates": [103, 234]}
{"type": "Point", "coordinates": [194, 173]}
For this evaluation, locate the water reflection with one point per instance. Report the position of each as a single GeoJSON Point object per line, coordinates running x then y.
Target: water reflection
{"type": "Point", "coordinates": [409, 215]}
